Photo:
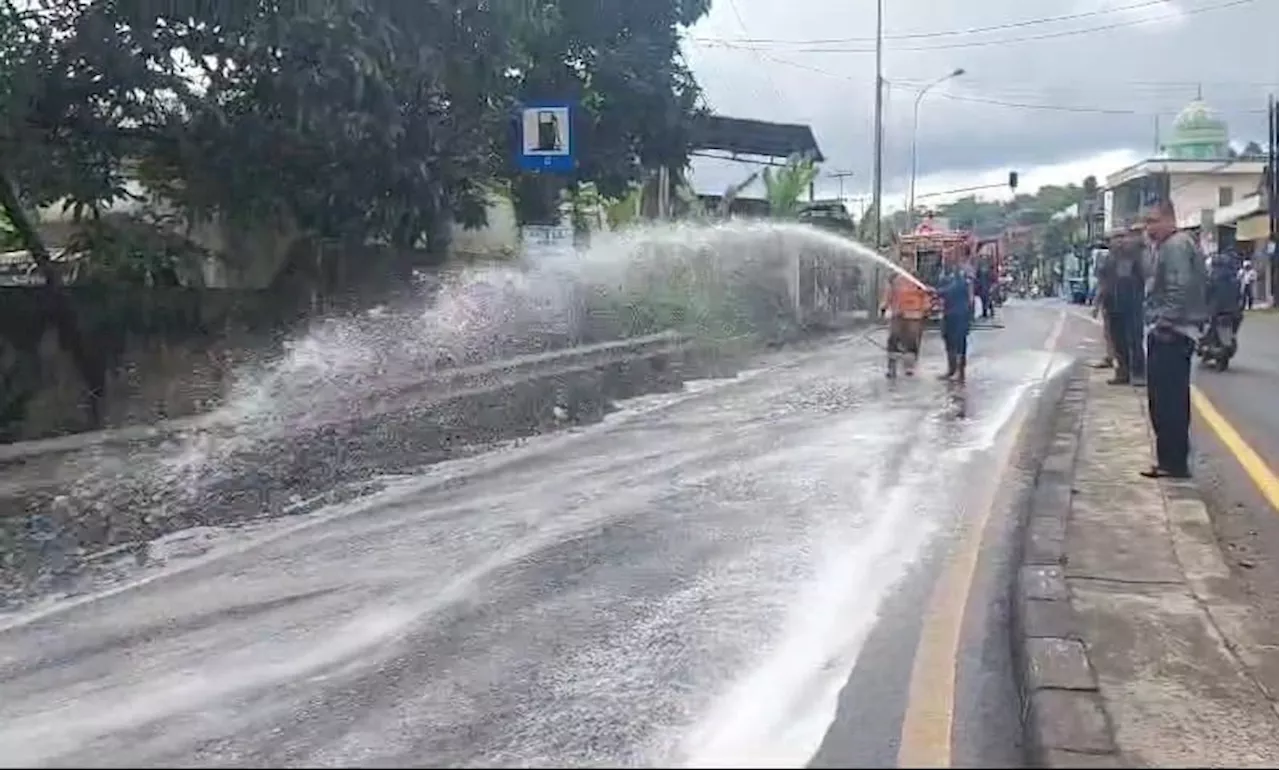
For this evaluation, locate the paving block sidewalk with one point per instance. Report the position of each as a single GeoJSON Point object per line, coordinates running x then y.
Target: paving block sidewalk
{"type": "Point", "coordinates": [1135, 650]}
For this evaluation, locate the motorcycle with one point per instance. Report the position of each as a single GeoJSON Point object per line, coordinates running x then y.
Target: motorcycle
{"type": "Point", "coordinates": [1217, 345]}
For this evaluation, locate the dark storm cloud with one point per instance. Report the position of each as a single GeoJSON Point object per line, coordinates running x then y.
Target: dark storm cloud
{"type": "Point", "coordinates": [1101, 90]}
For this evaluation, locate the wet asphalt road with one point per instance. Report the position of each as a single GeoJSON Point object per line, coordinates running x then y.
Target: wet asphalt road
{"type": "Point", "coordinates": [1244, 519]}
{"type": "Point", "coordinates": [1246, 393]}
{"type": "Point", "coordinates": [728, 575]}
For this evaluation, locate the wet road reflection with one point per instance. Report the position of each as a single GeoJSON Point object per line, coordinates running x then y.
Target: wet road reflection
{"type": "Point", "coordinates": [689, 582]}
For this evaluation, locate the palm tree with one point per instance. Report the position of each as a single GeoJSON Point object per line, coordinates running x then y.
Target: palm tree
{"type": "Point", "coordinates": [625, 211]}
{"type": "Point", "coordinates": [785, 185]}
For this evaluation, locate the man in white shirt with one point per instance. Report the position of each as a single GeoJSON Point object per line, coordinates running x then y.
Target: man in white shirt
{"type": "Point", "coordinates": [1248, 279]}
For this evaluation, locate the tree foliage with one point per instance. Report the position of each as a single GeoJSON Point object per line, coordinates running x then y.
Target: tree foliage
{"type": "Point", "coordinates": [990, 217]}
{"type": "Point", "coordinates": [785, 186]}
{"type": "Point", "coordinates": [620, 62]}
{"type": "Point", "coordinates": [352, 120]}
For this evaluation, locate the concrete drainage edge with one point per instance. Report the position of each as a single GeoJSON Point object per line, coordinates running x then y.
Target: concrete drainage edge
{"type": "Point", "coordinates": [1063, 718]}
{"type": "Point", "coordinates": [562, 361]}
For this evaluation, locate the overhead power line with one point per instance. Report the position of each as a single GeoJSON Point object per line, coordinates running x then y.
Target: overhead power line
{"type": "Point", "coordinates": [942, 33]}
{"type": "Point", "coordinates": [1034, 106]}
{"type": "Point", "coordinates": [1010, 104]}
{"type": "Point", "coordinates": [1127, 88]}
{"type": "Point", "coordinates": [1067, 107]}
{"type": "Point", "coordinates": [1068, 98]}
{"type": "Point", "coordinates": [742, 25]}
{"type": "Point", "coordinates": [1004, 41]}
{"type": "Point", "coordinates": [1180, 84]}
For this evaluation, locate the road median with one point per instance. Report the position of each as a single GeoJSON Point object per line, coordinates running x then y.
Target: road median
{"type": "Point", "coordinates": [1132, 646]}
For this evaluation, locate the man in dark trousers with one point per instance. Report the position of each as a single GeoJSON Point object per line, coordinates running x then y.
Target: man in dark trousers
{"type": "Point", "coordinates": [984, 281]}
{"type": "Point", "coordinates": [1120, 288]}
{"type": "Point", "coordinates": [1175, 311]}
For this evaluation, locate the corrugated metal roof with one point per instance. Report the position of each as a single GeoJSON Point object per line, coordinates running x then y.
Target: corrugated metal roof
{"type": "Point", "coordinates": [754, 137]}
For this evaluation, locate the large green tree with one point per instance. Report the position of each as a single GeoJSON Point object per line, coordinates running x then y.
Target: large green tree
{"type": "Point", "coordinates": [346, 120]}
{"type": "Point", "coordinates": [349, 119]}
{"type": "Point", "coordinates": [35, 160]}
{"type": "Point", "coordinates": [990, 217]}
{"type": "Point", "coordinates": [786, 185]}
{"type": "Point", "coordinates": [355, 119]}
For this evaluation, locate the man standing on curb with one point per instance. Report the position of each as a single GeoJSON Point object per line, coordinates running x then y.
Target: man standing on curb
{"type": "Point", "coordinates": [1100, 275]}
{"type": "Point", "coordinates": [1175, 305]}
{"type": "Point", "coordinates": [1121, 283]}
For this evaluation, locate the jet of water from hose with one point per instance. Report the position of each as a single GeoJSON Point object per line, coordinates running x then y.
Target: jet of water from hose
{"type": "Point", "coordinates": [717, 282]}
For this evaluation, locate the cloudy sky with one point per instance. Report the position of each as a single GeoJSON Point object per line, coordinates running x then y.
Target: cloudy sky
{"type": "Point", "coordinates": [1057, 89]}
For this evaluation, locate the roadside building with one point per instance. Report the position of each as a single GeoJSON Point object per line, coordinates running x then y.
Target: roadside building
{"type": "Point", "coordinates": [1196, 171]}
{"type": "Point", "coordinates": [1246, 225]}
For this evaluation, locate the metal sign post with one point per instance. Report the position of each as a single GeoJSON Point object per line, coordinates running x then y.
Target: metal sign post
{"type": "Point", "coordinates": [1273, 193]}
{"type": "Point", "coordinates": [545, 145]}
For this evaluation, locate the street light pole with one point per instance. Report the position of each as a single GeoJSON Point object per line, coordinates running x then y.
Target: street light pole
{"type": "Point", "coordinates": [877, 172]}
{"type": "Point", "coordinates": [915, 124]}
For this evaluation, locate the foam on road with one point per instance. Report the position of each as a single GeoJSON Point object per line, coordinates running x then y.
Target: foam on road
{"type": "Point", "coordinates": [689, 582]}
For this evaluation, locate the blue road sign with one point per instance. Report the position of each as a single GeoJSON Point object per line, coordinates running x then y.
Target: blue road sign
{"type": "Point", "coordinates": [546, 137]}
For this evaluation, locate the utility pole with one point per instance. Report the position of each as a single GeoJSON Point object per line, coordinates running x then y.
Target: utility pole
{"type": "Point", "coordinates": [840, 176]}
{"type": "Point", "coordinates": [1273, 189]}
{"type": "Point", "coordinates": [877, 172]}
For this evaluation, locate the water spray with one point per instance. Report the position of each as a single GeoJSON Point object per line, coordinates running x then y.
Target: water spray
{"type": "Point", "coordinates": [717, 284]}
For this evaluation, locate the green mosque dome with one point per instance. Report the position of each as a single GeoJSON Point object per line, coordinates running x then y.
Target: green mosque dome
{"type": "Point", "coordinates": [1198, 134]}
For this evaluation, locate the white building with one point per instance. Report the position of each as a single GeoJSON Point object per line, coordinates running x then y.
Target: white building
{"type": "Point", "coordinates": [1196, 174]}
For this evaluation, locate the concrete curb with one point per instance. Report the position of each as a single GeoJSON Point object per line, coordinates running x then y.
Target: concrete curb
{"type": "Point", "coordinates": [446, 382]}
{"type": "Point", "coordinates": [1063, 718]}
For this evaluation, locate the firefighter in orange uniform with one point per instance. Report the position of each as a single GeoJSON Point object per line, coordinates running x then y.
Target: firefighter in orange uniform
{"type": "Point", "coordinates": [907, 305]}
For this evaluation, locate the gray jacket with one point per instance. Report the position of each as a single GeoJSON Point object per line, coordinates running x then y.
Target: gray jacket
{"type": "Point", "coordinates": [1121, 280]}
{"type": "Point", "coordinates": [1176, 284]}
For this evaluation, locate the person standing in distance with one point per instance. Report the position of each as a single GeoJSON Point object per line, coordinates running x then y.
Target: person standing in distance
{"type": "Point", "coordinates": [955, 290]}
{"type": "Point", "coordinates": [1248, 280]}
{"type": "Point", "coordinates": [1175, 311]}
{"type": "Point", "coordinates": [1100, 273]}
{"type": "Point", "coordinates": [1120, 291]}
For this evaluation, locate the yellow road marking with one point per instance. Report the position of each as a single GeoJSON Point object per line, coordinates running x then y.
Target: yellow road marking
{"type": "Point", "coordinates": [1261, 475]}
{"type": "Point", "coordinates": [929, 717]}
{"type": "Point", "coordinates": [1254, 466]}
